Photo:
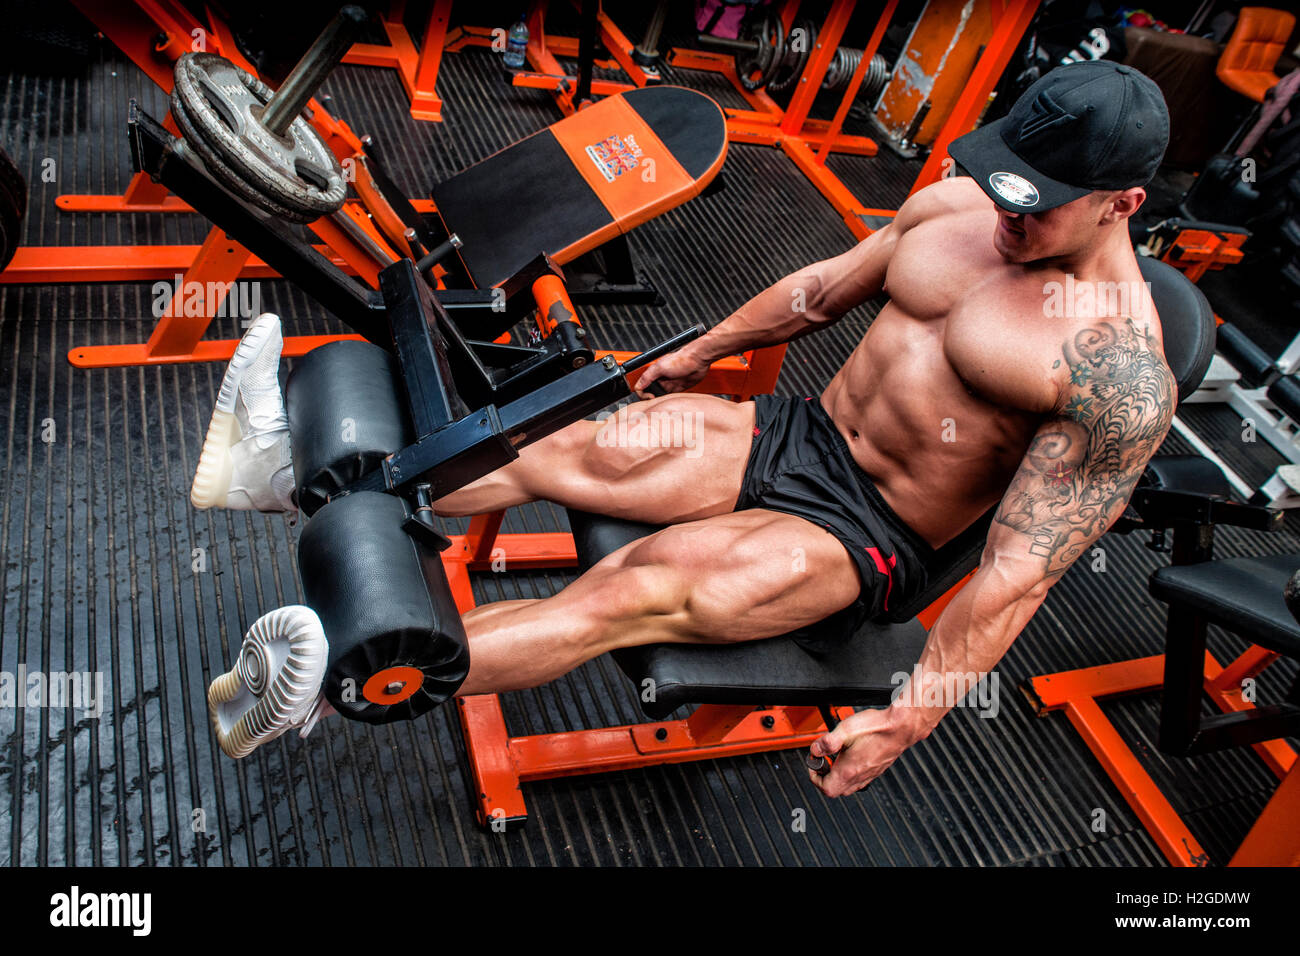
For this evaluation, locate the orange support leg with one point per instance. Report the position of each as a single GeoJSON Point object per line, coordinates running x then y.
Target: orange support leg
{"type": "Point", "coordinates": [1274, 840]}
{"type": "Point", "coordinates": [418, 69]}
{"type": "Point", "coordinates": [1077, 692]}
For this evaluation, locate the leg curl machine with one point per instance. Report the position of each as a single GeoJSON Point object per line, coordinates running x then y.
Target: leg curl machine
{"type": "Point", "coordinates": [380, 429]}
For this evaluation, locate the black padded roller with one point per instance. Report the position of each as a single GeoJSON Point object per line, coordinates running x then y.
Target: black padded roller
{"type": "Point", "coordinates": [1285, 394]}
{"type": "Point", "coordinates": [346, 415]}
{"type": "Point", "coordinates": [1255, 365]}
{"type": "Point", "coordinates": [397, 644]}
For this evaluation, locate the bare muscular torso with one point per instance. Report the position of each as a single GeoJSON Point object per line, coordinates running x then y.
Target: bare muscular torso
{"type": "Point", "coordinates": [941, 397]}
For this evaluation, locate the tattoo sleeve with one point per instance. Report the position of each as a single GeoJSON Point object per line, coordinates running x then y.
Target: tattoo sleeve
{"type": "Point", "coordinates": [1084, 462]}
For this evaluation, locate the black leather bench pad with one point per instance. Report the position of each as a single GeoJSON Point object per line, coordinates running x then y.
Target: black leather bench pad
{"type": "Point", "coordinates": [1243, 595]}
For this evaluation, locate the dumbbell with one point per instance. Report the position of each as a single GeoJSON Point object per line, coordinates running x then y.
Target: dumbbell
{"type": "Point", "coordinates": [254, 140]}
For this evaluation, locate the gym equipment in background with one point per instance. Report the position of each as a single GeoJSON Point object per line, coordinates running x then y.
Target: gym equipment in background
{"type": "Point", "coordinates": [768, 57]}
{"type": "Point", "coordinates": [13, 207]}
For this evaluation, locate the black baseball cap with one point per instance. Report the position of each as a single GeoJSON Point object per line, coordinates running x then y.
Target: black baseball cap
{"type": "Point", "coordinates": [1081, 127]}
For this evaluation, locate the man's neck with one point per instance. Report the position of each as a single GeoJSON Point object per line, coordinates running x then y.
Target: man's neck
{"type": "Point", "coordinates": [1094, 262]}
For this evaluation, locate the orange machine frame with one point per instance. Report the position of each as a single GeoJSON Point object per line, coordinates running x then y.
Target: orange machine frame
{"type": "Point", "coordinates": [1198, 251]}
{"type": "Point", "coordinates": [153, 33]}
{"type": "Point", "coordinates": [418, 69]}
{"type": "Point", "coordinates": [1274, 840]}
{"type": "Point", "coordinates": [808, 142]}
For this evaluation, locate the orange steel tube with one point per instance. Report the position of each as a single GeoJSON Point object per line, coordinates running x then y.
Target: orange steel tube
{"type": "Point", "coordinates": [810, 82]}
{"type": "Point", "coordinates": [1135, 784]}
{"type": "Point", "coordinates": [1077, 692]}
{"type": "Point", "coordinates": [1274, 840]}
{"type": "Point", "coordinates": [855, 83]}
{"type": "Point", "coordinates": [553, 303]}
{"type": "Point", "coordinates": [1007, 33]}
{"type": "Point", "coordinates": [215, 269]}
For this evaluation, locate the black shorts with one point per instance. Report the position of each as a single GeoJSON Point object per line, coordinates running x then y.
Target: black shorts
{"type": "Point", "coordinates": [800, 464]}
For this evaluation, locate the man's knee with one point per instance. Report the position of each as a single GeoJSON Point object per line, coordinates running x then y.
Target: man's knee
{"type": "Point", "coordinates": [620, 604]}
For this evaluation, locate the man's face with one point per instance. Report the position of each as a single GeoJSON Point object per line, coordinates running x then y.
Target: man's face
{"type": "Point", "coordinates": [1067, 230]}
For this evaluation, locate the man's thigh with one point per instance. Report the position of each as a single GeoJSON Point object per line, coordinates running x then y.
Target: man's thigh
{"type": "Point", "coordinates": [734, 577]}
{"type": "Point", "coordinates": [676, 458]}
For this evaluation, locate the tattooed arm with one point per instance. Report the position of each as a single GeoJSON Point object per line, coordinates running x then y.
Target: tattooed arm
{"type": "Point", "coordinates": [1073, 483]}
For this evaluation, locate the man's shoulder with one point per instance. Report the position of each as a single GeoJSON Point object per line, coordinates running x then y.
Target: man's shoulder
{"type": "Point", "coordinates": [955, 195]}
{"type": "Point", "coordinates": [1115, 380]}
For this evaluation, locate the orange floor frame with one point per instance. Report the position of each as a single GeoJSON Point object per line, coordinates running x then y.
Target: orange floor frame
{"type": "Point", "coordinates": [1274, 840]}
{"type": "Point", "coordinates": [418, 69]}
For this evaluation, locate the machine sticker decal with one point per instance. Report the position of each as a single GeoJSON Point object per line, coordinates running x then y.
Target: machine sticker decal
{"type": "Point", "coordinates": [615, 156]}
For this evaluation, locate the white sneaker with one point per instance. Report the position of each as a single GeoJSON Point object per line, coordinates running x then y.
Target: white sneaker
{"type": "Point", "coordinates": [275, 683]}
{"type": "Point", "coordinates": [246, 460]}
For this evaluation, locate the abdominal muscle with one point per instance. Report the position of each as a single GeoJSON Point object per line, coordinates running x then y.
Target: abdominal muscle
{"type": "Point", "coordinates": [939, 455]}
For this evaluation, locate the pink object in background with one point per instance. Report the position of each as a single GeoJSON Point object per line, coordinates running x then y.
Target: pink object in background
{"type": "Point", "coordinates": [724, 17]}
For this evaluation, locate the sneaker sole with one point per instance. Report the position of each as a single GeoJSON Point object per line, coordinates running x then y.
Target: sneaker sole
{"type": "Point", "coordinates": [244, 720]}
{"type": "Point", "coordinates": [212, 476]}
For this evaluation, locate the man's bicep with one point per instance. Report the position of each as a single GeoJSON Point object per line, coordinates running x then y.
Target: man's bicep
{"type": "Point", "coordinates": [851, 278]}
{"type": "Point", "coordinates": [1082, 464]}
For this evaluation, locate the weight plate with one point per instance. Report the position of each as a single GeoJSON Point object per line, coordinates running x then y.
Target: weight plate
{"type": "Point", "coordinates": [229, 177]}
{"type": "Point", "coordinates": [223, 105]}
{"type": "Point", "coordinates": [791, 66]}
{"type": "Point", "coordinates": [765, 30]}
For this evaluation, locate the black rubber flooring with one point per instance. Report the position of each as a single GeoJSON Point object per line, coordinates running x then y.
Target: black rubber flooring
{"type": "Point", "coordinates": [107, 569]}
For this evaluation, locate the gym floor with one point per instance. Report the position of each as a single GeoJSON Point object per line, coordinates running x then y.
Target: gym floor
{"type": "Point", "coordinates": [99, 544]}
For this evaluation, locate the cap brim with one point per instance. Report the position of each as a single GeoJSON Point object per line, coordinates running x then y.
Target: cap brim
{"type": "Point", "coordinates": [1003, 175]}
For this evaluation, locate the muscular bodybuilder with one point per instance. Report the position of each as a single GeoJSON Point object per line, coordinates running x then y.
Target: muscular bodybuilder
{"type": "Point", "coordinates": [977, 384]}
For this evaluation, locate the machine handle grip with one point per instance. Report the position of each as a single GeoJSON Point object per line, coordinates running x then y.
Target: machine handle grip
{"type": "Point", "coordinates": [818, 765]}
{"type": "Point", "coordinates": [663, 348]}
{"type": "Point", "coordinates": [822, 765]}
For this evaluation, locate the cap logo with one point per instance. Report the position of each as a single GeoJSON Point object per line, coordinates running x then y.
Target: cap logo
{"type": "Point", "coordinates": [1014, 189]}
{"type": "Point", "coordinates": [1044, 114]}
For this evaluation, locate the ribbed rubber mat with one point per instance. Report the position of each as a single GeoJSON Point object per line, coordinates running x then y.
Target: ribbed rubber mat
{"type": "Point", "coordinates": [107, 568]}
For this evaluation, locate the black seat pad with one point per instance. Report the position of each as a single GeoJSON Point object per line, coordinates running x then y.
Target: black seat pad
{"type": "Point", "coordinates": [1186, 320]}
{"type": "Point", "coordinates": [1243, 595]}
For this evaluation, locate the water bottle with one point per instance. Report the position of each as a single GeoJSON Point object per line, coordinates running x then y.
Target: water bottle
{"type": "Point", "coordinates": [516, 45]}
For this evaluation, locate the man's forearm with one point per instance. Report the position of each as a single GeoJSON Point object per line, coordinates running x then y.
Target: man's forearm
{"type": "Point", "coordinates": [780, 313]}
{"type": "Point", "coordinates": [971, 635]}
